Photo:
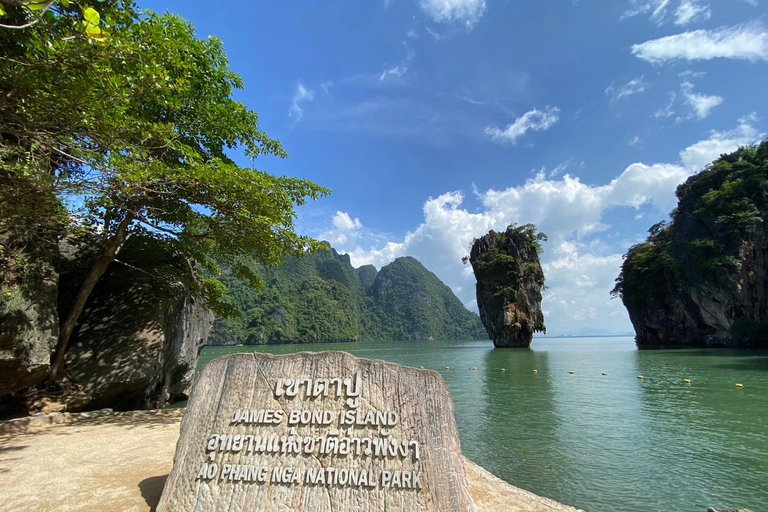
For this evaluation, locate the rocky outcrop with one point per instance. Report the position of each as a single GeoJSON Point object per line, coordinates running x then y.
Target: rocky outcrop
{"type": "Point", "coordinates": [509, 282]}
{"type": "Point", "coordinates": [702, 280]}
{"type": "Point", "coordinates": [138, 340]}
{"type": "Point", "coordinates": [29, 324]}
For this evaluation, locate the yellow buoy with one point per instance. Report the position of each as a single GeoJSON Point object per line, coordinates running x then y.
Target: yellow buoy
{"type": "Point", "coordinates": [421, 367]}
{"type": "Point", "coordinates": [640, 377]}
{"type": "Point", "coordinates": [475, 368]}
{"type": "Point", "coordinates": [739, 385]}
{"type": "Point", "coordinates": [605, 373]}
{"type": "Point", "coordinates": [535, 371]}
{"type": "Point", "coordinates": [503, 370]}
{"type": "Point", "coordinates": [687, 381]}
{"type": "Point", "coordinates": [447, 368]}
{"type": "Point", "coordinates": [571, 372]}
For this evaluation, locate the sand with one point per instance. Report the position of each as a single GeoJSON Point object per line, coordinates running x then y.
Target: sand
{"type": "Point", "coordinates": [119, 463]}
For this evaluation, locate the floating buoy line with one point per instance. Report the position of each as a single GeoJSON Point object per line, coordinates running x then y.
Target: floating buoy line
{"type": "Point", "coordinates": [687, 382]}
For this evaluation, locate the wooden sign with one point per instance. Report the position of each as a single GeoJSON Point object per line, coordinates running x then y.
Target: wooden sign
{"type": "Point", "coordinates": [317, 432]}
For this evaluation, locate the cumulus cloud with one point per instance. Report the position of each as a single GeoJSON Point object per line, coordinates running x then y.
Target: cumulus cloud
{"type": "Point", "coordinates": [634, 86]}
{"type": "Point", "coordinates": [466, 12]}
{"type": "Point", "coordinates": [301, 95]}
{"type": "Point", "coordinates": [345, 230]}
{"type": "Point", "coordinates": [696, 156]}
{"type": "Point", "coordinates": [701, 104]}
{"type": "Point", "coordinates": [582, 257]}
{"type": "Point", "coordinates": [533, 120]}
{"type": "Point", "coordinates": [746, 42]}
{"type": "Point", "coordinates": [689, 11]}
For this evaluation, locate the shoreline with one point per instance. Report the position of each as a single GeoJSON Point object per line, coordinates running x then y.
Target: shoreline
{"type": "Point", "coordinates": [110, 461]}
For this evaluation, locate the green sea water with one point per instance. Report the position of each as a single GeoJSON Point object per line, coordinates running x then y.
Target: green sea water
{"type": "Point", "coordinates": [608, 443]}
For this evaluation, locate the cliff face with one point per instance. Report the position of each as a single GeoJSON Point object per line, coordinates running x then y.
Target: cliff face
{"type": "Point", "coordinates": [29, 323]}
{"type": "Point", "coordinates": [138, 340]}
{"type": "Point", "coordinates": [702, 280]}
{"type": "Point", "coordinates": [509, 281]}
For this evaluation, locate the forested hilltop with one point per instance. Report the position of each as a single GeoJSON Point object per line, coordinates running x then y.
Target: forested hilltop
{"type": "Point", "coordinates": [702, 279]}
{"type": "Point", "coordinates": [322, 298]}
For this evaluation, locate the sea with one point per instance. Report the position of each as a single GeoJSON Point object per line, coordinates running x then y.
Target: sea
{"type": "Point", "coordinates": [597, 424]}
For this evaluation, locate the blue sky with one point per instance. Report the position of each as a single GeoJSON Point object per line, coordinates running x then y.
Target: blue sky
{"type": "Point", "coordinates": [434, 121]}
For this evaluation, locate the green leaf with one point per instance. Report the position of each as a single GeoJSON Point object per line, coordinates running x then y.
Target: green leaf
{"type": "Point", "coordinates": [65, 3]}
{"type": "Point", "coordinates": [2, 11]}
{"type": "Point", "coordinates": [39, 5]}
{"type": "Point", "coordinates": [92, 16]}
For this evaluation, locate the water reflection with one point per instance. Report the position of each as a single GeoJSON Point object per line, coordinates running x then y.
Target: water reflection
{"type": "Point", "coordinates": [709, 420]}
{"type": "Point", "coordinates": [518, 420]}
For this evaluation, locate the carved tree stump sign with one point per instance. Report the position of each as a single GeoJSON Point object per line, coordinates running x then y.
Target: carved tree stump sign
{"type": "Point", "coordinates": [317, 432]}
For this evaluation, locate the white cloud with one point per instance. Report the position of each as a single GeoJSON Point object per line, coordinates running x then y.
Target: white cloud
{"type": "Point", "coordinates": [301, 95]}
{"type": "Point", "coordinates": [634, 86]}
{"type": "Point", "coordinates": [696, 156]}
{"type": "Point", "coordinates": [701, 104]}
{"type": "Point", "coordinates": [395, 71]}
{"type": "Point", "coordinates": [689, 11]}
{"type": "Point", "coordinates": [345, 230]}
{"type": "Point", "coordinates": [667, 111]}
{"type": "Point", "coordinates": [656, 8]}
{"type": "Point", "coordinates": [582, 257]}
{"type": "Point", "coordinates": [746, 42]}
{"type": "Point", "coordinates": [535, 120]}
{"type": "Point", "coordinates": [467, 12]}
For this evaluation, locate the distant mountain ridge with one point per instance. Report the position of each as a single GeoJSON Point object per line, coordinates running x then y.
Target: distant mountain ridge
{"type": "Point", "coordinates": [322, 298]}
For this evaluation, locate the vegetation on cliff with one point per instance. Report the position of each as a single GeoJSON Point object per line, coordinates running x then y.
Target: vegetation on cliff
{"type": "Point", "coordinates": [701, 278]}
{"type": "Point", "coordinates": [322, 298]}
{"type": "Point", "coordinates": [128, 120]}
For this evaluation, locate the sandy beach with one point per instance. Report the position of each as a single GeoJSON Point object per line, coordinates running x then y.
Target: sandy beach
{"type": "Point", "coordinates": [118, 462]}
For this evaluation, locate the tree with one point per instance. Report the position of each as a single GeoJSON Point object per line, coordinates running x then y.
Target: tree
{"type": "Point", "coordinates": [134, 130]}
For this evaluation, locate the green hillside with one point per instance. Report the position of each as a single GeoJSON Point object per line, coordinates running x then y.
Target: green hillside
{"type": "Point", "coordinates": [322, 298]}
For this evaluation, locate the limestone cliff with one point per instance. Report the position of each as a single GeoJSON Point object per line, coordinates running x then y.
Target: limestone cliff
{"type": "Point", "coordinates": [29, 323]}
{"type": "Point", "coordinates": [138, 340]}
{"type": "Point", "coordinates": [702, 280]}
{"type": "Point", "coordinates": [509, 282]}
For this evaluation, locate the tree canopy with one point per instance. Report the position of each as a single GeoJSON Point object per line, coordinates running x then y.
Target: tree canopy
{"type": "Point", "coordinates": [127, 119]}
{"type": "Point", "coordinates": [720, 207]}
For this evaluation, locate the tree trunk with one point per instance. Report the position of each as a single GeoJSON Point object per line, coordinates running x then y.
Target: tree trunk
{"type": "Point", "coordinates": [108, 255]}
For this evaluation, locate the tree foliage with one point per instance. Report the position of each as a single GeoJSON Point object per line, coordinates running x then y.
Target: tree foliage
{"type": "Point", "coordinates": [719, 208]}
{"type": "Point", "coordinates": [135, 133]}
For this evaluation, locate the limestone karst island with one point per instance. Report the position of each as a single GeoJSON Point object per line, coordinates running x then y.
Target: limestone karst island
{"type": "Point", "coordinates": [517, 259]}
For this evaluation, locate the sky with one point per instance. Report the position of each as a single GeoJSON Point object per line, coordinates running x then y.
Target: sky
{"type": "Point", "coordinates": [435, 121]}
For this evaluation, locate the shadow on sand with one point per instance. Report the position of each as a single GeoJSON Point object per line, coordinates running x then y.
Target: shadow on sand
{"type": "Point", "coordinates": [151, 488]}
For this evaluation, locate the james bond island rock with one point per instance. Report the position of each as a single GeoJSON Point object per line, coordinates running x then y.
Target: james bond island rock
{"type": "Point", "coordinates": [137, 343]}
{"type": "Point", "coordinates": [509, 283]}
{"type": "Point", "coordinates": [702, 279]}
{"type": "Point", "coordinates": [317, 431]}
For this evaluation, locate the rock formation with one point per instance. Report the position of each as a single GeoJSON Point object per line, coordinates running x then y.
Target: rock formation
{"type": "Point", "coordinates": [29, 323]}
{"type": "Point", "coordinates": [138, 340]}
{"type": "Point", "coordinates": [702, 280]}
{"type": "Point", "coordinates": [317, 431]}
{"type": "Point", "coordinates": [509, 283]}
{"type": "Point", "coordinates": [136, 345]}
